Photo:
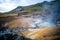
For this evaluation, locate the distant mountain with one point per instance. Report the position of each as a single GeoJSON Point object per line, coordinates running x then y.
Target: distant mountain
{"type": "Point", "coordinates": [30, 8]}
{"type": "Point", "coordinates": [18, 9]}
{"type": "Point", "coordinates": [44, 7]}
{"type": "Point", "coordinates": [36, 7]}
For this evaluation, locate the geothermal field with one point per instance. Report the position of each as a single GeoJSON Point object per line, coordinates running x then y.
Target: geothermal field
{"type": "Point", "coordinates": [40, 21]}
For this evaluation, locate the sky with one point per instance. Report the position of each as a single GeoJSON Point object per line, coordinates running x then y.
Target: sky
{"type": "Point", "coordinates": [8, 5]}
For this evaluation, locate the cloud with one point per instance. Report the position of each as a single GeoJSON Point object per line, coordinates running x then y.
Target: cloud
{"type": "Point", "coordinates": [7, 7]}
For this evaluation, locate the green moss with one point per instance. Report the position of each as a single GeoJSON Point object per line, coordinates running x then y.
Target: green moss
{"type": "Point", "coordinates": [6, 15]}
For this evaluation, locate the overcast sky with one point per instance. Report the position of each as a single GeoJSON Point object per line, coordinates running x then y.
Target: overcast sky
{"type": "Point", "coordinates": [7, 5]}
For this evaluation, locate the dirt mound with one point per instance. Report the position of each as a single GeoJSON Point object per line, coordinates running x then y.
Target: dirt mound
{"type": "Point", "coordinates": [49, 33]}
